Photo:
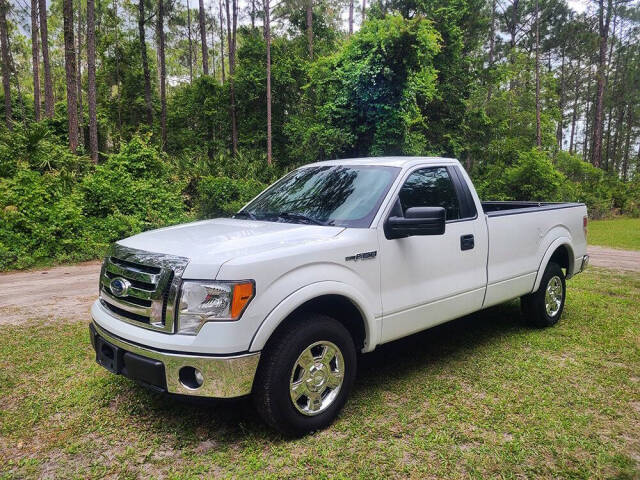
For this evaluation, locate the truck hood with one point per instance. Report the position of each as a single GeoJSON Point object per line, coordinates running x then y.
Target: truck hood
{"type": "Point", "coordinates": [210, 243]}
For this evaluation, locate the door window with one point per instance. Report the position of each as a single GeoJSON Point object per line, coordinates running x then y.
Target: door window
{"type": "Point", "coordinates": [430, 187]}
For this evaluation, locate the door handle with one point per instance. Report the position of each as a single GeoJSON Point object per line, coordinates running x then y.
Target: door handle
{"type": "Point", "coordinates": [467, 242]}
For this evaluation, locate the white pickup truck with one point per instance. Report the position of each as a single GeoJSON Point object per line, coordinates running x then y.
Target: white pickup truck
{"type": "Point", "coordinates": [333, 259]}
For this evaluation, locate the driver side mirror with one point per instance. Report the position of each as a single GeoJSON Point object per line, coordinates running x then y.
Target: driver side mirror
{"type": "Point", "coordinates": [416, 221]}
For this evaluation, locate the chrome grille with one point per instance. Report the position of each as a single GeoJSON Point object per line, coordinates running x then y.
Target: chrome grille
{"type": "Point", "coordinates": [153, 285]}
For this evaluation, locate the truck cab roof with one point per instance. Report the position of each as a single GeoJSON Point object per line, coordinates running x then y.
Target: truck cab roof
{"type": "Point", "coordinates": [402, 162]}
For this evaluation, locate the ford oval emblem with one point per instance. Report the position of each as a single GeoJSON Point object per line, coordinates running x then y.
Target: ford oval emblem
{"type": "Point", "coordinates": [119, 286]}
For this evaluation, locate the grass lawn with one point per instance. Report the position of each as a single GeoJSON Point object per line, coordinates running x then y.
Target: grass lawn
{"type": "Point", "coordinates": [479, 397]}
{"type": "Point", "coordinates": [617, 233]}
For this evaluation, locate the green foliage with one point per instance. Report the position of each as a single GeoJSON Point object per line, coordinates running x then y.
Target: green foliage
{"type": "Point", "coordinates": [37, 148]}
{"type": "Point", "coordinates": [368, 98]}
{"type": "Point", "coordinates": [413, 80]}
{"type": "Point", "coordinates": [134, 182]}
{"type": "Point", "coordinates": [197, 120]}
{"type": "Point", "coordinates": [63, 208]}
{"type": "Point", "coordinates": [224, 196]}
{"type": "Point", "coordinates": [588, 184]}
{"type": "Point", "coordinates": [41, 219]}
{"type": "Point", "coordinates": [531, 177]}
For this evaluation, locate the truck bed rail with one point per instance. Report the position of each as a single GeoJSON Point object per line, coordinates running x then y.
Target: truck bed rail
{"type": "Point", "coordinates": [496, 209]}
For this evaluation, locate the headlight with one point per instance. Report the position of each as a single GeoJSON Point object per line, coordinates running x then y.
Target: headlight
{"type": "Point", "coordinates": [202, 302]}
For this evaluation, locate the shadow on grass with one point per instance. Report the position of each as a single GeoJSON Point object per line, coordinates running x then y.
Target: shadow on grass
{"type": "Point", "coordinates": [193, 420]}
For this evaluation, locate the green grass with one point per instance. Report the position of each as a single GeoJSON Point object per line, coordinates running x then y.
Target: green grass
{"type": "Point", "coordinates": [616, 233]}
{"type": "Point", "coordinates": [479, 397]}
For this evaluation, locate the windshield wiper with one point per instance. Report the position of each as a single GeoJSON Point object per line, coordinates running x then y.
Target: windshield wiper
{"type": "Point", "coordinates": [300, 217]}
{"type": "Point", "coordinates": [245, 213]}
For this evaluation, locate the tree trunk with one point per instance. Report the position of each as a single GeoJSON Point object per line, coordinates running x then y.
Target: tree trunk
{"type": "Point", "coordinates": [538, 130]}
{"type": "Point", "coordinates": [587, 116]}
{"type": "Point", "coordinates": [221, 40]}
{"type": "Point", "coordinates": [492, 41]}
{"type": "Point", "coordinates": [35, 58]}
{"type": "Point", "coordinates": [6, 65]}
{"type": "Point", "coordinates": [253, 14]}
{"type": "Point", "coordinates": [559, 133]}
{"type": "Point", "coordinates": [574, 116]}
{"type": "Point", "coordinates": [231, 41]}
{"type": "Point", "coordinates": [622, 110]}
{"type": "Point", "coordinates": [79, 81]}
{"type": "Point", "coordinates": [627, 145]}
{"type": "Point", "coordinates": [190, 44]}
{"type": "Point", "coordinates": [234, 31]}
{"type": "Point", "coordinates": [70, 71]}
{"type": "Point", "coordinates": [213, 42]}
{"type": "Point", "coordinates": [603, 26]}
{"type": "Point", "coordinates": [267, 27]}
{"type": "Point", "coordinates": [163, 74]}
{"type": "Point", "coordinates": [350, 17]}
{"type": "Point", "coordinates": [607, 155]}
{"type": "Point", "coordinates": [513, 28]}
{"type": "Point", "coordinates": [310, 27]}
{"type": "Point", "coordinates": [48, 83]}
{"type": "Point", "coordinates": [145, 62]}
{"type": "Point", "coordinates": [203, 38]}
{"type": "Point", "coordinates": [13, 69]}
{"type": "Point", "coordinates": [117, 37]}
{"type": "Point", "coordinates": [91, 80]}
{"type": "Point", "coordinates": [364, 9]}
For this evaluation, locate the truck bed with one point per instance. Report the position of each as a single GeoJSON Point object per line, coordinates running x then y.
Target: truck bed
{"type": "Point", "coordinates": [496, 209]}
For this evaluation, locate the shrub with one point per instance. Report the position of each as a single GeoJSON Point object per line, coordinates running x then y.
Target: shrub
{"type": "Point", "coordinates": [41, 220]}
{"type": "Point", "coordinates": [73, 211]}
{"type": "Point", "coordinates": [35, 147]}
{"type": "Point", "coordinates": [135, 182]}
{"type": "Point", "coordinates": [224, 196]}
{"type": "Point", "coordinates": [531, 177]}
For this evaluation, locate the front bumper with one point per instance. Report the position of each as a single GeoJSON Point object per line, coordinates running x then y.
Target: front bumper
{"type": "Point", "coordinates": [222, 376]}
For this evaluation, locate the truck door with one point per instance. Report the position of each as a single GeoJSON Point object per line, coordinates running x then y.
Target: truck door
{"type": "Point", "coordinates": [427, 280]}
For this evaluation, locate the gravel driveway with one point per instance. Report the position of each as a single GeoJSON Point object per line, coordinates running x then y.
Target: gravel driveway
{"type": "Point", "coordinates": [59, 293]}
{"type": "Point", "coordinates": [66, 293]}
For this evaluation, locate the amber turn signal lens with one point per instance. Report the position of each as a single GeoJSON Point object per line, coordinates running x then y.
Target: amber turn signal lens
{"type": "Point", "coordinates": [242, 293]}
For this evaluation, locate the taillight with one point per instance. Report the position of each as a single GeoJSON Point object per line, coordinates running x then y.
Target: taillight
{"type": "Point", "coordinates": [585, 220]}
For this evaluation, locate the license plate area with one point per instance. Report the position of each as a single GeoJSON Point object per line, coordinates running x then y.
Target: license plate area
{"type": "Point", "coordinates": [108, 355]}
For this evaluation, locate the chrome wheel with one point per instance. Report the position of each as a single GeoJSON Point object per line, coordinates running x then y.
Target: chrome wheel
{"type": "Point", "coordinates": [316, 378]}
{"type": "Point", "coordinates": [553, 296]}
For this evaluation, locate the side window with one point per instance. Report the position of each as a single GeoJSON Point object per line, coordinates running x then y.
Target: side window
{"type": "Point", "coordinates": [430, 187]}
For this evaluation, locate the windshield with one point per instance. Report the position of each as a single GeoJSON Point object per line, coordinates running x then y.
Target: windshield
{"type": "Point", "coordinates": [346, 196]}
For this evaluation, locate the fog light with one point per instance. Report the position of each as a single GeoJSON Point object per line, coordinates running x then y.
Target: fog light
{"type": "Point", "coordinates": [191, 377]}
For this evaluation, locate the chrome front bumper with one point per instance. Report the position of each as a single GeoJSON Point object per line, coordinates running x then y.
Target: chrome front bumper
{"type": "Point", "coordinates": [223, 377]}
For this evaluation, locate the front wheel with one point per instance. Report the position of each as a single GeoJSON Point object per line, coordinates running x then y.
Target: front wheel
{"type": "Point", "coordinates": [305, 374]}
{"type": "Point", "coordinates": [543, 308]}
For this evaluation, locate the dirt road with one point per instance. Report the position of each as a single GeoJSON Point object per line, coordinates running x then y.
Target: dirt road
{"type": "Point", "coordinates": [60, 293]}
{"type": "Point", "coordinates": [614, 259]}
{"type": "Point", "coordinates": [66, 293]}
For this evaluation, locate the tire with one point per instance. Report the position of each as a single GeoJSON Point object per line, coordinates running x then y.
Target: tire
{"type": "Point", "coordinates": [281, 376]}
{"type": "Point", "coordinates": [540, 310]}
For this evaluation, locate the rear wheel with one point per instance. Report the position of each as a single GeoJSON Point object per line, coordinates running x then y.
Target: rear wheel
{"type": "Point", "coordinates": [305, 375]}
{"type": "Point", "coordinates": [543, 308]}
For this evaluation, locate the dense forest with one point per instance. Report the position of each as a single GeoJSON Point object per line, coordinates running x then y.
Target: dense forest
{"type": "Point", "coordinates": [125, 115]}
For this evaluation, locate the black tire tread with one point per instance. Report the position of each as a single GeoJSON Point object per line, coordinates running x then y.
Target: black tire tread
{"type": "Point", "coordinates": [274, 356]}
{"type": "Point", "coordinates": [532, 305]}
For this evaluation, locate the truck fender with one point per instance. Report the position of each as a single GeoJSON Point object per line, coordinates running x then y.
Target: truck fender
{"type": "Point", "coordinates": [558, 242]}
{"type": "Point", "coordinates": [310, 292]}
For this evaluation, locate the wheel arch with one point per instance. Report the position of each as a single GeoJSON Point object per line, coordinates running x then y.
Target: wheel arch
{"type": "Point", "coordinates": [333, 299]}
{"type": "Point", "coordinates": [561, 252]}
